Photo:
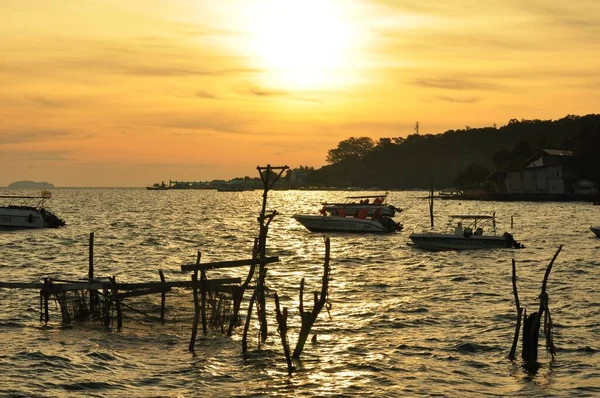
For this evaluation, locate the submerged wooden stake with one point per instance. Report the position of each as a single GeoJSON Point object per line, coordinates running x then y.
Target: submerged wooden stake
{"type": "Point", "coordinates": [282, 322]}
{"type": "Point", "coordinates": [163, 297]}
{"type": "Point", "coordinates": [196, 307]}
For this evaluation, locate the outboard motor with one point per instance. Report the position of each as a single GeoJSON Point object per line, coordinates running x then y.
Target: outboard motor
{"type": "Point", "coordinates": [511, 242]}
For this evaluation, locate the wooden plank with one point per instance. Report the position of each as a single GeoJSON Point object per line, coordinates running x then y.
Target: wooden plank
{"type": "Point", "coordinates": [66, 287]}
{"type": "Point", "coordinates": [144, 292]}
{"type": "Point", "coordinates": [228, 264]}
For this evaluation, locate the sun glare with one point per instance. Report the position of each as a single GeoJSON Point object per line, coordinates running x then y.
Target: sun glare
{"type": "Point", "coordinates": [302, 44]}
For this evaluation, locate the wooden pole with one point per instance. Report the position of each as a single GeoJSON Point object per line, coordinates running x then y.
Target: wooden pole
{"type": "Point", "coordinates": [91, 293]}
{"type": "Point", "coordinates": [46, 298]}
{"type": "Point", "coordinates": [196, 307]}
{"type": "Point", "coordinates": [431, 205]}
{"type": "Point", "coordinates": [163, 297]}
{"type": "Point", "coordinates": [203, 298]}
{"type": "Point", "coordinates": [117, 301]}
{"type": "Point", "coordinates": [513, 349]}
{"type": "Point", "coordinates": [282, 322]}
{"type": "Point", "coordinates": [247, 324]}
{"type": "Point", "coordinates": [511, 222]}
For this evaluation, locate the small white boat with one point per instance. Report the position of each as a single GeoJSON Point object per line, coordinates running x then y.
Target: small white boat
{"type": "Point", "coordinates": [596, 231]}
{"type": "Point", "coordinates": [25, 212]}
{"type": "Point", "coordinates": [373, 204]}
{"type": "Point", "coordinates": [320, 223]}
{"type": "Point", "coordinates": [470, 236]}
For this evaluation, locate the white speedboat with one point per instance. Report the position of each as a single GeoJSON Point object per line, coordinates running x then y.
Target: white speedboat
{"type": "Point", "coordinates": [375, 205]}
{"type": "Point", "coordinates": [468, 236]}
{"type": "Point", "coordinates": [321, 223]}
{"type": "Point", "coordinates": [596, 231]}
{"type": "Point", "coordinates": [24, 212]}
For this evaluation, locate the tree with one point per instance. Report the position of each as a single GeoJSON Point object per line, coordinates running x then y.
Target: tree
{"type": "Point", "coordinates": [352, 148]}
{"type": "Point", "coordinates": [474, 176]}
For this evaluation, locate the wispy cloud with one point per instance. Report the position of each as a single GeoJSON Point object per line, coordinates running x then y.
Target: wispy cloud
{"type": "Point", "coordinates": [34, 155]}
{"type": "Point", "coordinates": [454, 84]}
{"type": "Point", "coordinates": [469, 100]}
{"type": "Point", "coordinates": [27, 136]}
{"type": "Point", "coordinates": [205, 95]}
{"type": "Point", "coordinates": [46, 101]}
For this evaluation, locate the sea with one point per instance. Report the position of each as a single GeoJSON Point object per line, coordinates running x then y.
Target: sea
{"type": "Point", "coordinates": [401, 321]}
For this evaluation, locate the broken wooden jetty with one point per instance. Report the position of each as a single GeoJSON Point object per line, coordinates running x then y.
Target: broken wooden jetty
{"type": "Point", "coordinates": [216, 302]}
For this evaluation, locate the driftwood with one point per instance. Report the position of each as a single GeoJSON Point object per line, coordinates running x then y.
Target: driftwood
{"type": "Point", "coordinates": [532, 323]}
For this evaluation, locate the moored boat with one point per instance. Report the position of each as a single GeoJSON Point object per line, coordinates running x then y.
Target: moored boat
{"type": "Point", "coordinates": [157, 187]}
{"type": "Point", "coordinates": [26, 212]}
{"type": "Point", "coordinates": [470, 236]}
{"type": "Point", "coordinates": [596, 230]}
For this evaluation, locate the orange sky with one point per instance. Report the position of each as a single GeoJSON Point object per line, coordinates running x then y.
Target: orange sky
{"type": "Point", "coordinates": [127, 93]}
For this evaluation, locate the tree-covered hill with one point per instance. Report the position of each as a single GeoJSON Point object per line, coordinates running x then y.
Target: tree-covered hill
{"type": "Point", "coordinates": [416, 160]}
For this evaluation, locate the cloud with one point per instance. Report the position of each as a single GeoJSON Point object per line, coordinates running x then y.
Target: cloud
{"type": "Point", "coordinates": [205, 95]}
{"type": "Point", "coordinates": [454, 84]}
{"type": "Point", "coordinates": [469, 100]}
{"type": "Point", "coordinates": [21, 156]}
{"type": "Point", "coordinates": [27, 136]}
{"type": "Point", "coordinates": [49, 102]}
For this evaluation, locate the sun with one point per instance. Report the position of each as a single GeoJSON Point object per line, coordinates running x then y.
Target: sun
{"type": "Point", "coordinates": [301, 44]}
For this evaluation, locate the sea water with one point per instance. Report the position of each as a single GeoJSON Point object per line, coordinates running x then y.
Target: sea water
{"type": "Point", "coordinates": [402, 322]}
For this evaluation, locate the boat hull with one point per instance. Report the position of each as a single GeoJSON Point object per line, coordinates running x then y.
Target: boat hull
{"type": "Point", "coordinates": [28, 218]}
{"type": "Point", "coordinates": [343, 224]}
{"type": "Point", "coordinates": [438, 241]}
{"type": "Point", "coordinates": [596, 231]}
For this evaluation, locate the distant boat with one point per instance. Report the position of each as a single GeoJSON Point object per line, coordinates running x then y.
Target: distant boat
{"type": "Point", "coordinates": [469, 236]}
{"type": "Point", "coordinates": [158, 187]}
{"type": "Point", "coordinates": [27, 212]}
{"type": "Point", "coordinates": [596, 231]}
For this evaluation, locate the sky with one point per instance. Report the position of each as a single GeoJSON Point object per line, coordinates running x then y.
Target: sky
{"type": "Point", "coordinates": [119, 93]}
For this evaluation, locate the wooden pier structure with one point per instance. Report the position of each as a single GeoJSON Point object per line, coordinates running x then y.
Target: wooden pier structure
{"type": "Point", "coordinates": [216, 302]}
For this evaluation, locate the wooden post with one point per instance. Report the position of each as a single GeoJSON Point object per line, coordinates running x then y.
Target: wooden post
{"type": "Point", "coordinates": [264, 220]}
{"type": "Point", "coordinates": [117, 301]}
{"type": "Point", "coordinates": [247, 324]}
{"type": "Point", "coordinates": [196, 306]}
{"type": "Point", "coordinates": [431, 205]}
{"type": "Point", "coordinates": [282, 322]}
{"type": "Point", "coordinates": [107, 305]}
{"type": "Point", "coordinates": [513, 349]}
{"type": "Point", "coordinates": [92, 293]}
{"type": "Point", "coordinates": [203, 298]}
{"type": "Point", "coordinates": [46, 298]}
{"type": "Point", "coordinates": [163, 297]}
{"type": "Point", "coordinates": [511, 222]}
{"type": "Point", "coordinates": [238, 294]}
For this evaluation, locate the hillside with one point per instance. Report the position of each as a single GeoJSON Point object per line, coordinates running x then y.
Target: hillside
{"type": "Point", "coordinates": [416, 160]}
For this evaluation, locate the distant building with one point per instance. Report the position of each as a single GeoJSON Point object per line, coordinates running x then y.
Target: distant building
{"type": "Point", "coordinates": [548, 174]}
